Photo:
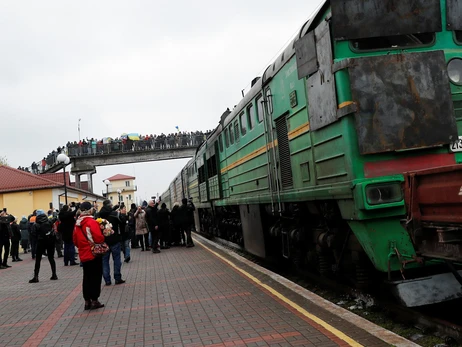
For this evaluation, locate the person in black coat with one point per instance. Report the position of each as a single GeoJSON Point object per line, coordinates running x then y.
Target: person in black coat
{"type": "Point", "coordinates": [15, 239]}
{"type": "Point", "coordinates": [46, 239]}
{"type": "Point", "coordinates": [66, 229]}
{"type": "Point", "coordinates": [153, 225]}
{"type": "Point", "coordinates": [5, 236]}
{"type": "Point", "coordinates": [163, 217]}
{"type": "Point", "coordinates": [132, 227]}
{"type": "Point", "coordinates": [185, 213]}
{"type": "Point", "coordinates": [117, 220]}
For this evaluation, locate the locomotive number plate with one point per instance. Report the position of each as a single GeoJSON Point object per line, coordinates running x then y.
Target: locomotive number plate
{"type": "Point", "coordinates": [456, 146]}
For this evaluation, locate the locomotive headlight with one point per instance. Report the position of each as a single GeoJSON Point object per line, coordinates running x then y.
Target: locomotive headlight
{"type": "Point", "coordinates": [377, 194]}
{"type": "Point", "coordinates": [455, 71]}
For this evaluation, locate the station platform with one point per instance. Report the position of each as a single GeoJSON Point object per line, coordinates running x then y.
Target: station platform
{"type": "Point", "coordinates": [200, 296]}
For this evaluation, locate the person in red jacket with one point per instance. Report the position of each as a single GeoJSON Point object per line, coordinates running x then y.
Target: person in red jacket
{"type": "Point", "coordinates": [87, 232]}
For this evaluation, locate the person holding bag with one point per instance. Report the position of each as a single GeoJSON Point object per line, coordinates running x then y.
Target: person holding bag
{"type": "Point", "coordinates": [89, 239]}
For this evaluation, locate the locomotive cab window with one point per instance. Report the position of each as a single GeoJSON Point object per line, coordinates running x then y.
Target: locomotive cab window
{"type": "Point", "coordinates": [393, 42]}
{"type": "Point", "coordinates": [231, 135]}
{"type": "Point", "coordinates": [212, 166]}
{"type": "Point", "coordinates": [243, 123]}
{"type": "Point", "coordinates": [220, 143]}
{"type": "Point", "coordinates": [251, 116]}
{"type": "Point", "coordinates": [236, 130]}
{"type": "Point", "coordinates": [260, 109]}
{"type": "Point", "coordinates": [226, 138]}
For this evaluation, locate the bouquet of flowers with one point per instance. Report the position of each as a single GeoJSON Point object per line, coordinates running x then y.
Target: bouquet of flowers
{"type": "Point", "coordinates": [105, 226]}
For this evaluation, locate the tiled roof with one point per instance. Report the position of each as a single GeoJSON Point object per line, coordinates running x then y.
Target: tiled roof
{"type": "Point", "coordinates": [57, 177]}
{"type": "Point", "coordinates": [16, 180]}
{"type": "Point", "coordinates": [83, 185]}
{"type": "Point", "coordinates": [120, 177]}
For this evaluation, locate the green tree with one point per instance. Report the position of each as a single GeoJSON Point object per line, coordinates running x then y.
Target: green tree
{"type": "Point", "coordinates": [4, 161]}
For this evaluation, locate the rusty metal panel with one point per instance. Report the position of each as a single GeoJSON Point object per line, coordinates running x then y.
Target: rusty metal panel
{"type": "Point", "coordinates": [434, 211]}
{"type": "Point", "coordinates": [404, 101]}
{"type": "Point", "coordinates": [322, 97]}
{"type": "Point", "coordinates": [305, 50]}
{"type": "Point", "coordinates": [454, 14]}
{"type": "Point", "coordinates": [360, 19]}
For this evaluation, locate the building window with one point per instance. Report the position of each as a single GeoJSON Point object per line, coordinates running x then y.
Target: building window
{"type": "Point", "coordinates": [260, 109]}
{"type": "Point", "coordinates": [110, 198]}
{"type": "Point", "coordinates": [129, 197]}
{"type": "Point", "coordinates": [243, 123]}
{"type": "Point", "coordinates": [127, 183]}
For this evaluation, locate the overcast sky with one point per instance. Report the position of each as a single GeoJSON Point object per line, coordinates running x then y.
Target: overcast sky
{"type": "Point", "coordinates": [130, 66]}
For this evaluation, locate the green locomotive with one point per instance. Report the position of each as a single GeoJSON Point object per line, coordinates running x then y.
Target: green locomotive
{"type": "Point", "coordinates": [344, 157]}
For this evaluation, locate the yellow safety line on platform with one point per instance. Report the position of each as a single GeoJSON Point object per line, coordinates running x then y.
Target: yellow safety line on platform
{"type": "Point", "coordinates": [314, 318]}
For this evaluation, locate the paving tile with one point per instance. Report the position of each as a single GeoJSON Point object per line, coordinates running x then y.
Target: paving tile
{"type": "Point", "coordinates": [180, 297]}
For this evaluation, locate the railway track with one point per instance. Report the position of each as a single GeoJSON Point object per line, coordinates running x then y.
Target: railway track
{"type": "Point", "coordinates": [436, 325]}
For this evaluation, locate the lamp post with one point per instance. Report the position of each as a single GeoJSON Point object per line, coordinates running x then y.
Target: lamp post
{"type": "Point", "coordinates": [64, 159]}
{"type": "Point", "coordinates": [107, 182]}
{"type": "Point", "coordinates": [119, 192]}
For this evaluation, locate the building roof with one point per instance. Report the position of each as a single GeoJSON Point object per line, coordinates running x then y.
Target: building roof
{"type": "Point", "coordinates": [17, 180]}
{"type": "Point", "coordinates": [120, 177]}
{"type": "Point", "coordinates": [57, 177]}
{"type": "Point", "coordinates": [14, 180]}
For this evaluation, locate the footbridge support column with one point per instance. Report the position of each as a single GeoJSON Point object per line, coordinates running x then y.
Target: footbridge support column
{"type": "Point", "coordinates": [83, 169]}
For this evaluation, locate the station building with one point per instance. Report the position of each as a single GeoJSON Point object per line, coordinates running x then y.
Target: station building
{"type": "Point", "coordinates": [23, 192]}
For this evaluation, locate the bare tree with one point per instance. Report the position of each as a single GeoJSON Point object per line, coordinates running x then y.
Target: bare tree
{"type": "Point", "coordinates": [4, 161]}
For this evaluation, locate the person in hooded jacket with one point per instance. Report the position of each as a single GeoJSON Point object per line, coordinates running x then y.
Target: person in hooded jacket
{"type": "Point", "coordinates": [45, 243]}
{"type": "Point", "coordinates": [66, 229]}
{"type": "Point", "coordinates": [86, 233]}
{"type": "Point", "coordinates": [118, 222]}
{"type": "Point", "coordinates": [24, 229]}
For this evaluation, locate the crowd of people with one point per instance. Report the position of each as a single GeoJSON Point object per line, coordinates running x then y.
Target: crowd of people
{"type": "Point", "coordinates": [98, 235]}
{"type": "Point", "coordinates": [126, 143]}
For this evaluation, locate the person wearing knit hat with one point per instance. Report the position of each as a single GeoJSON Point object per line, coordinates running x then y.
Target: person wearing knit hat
{"type": "Point", "coordinates": [85, 206]}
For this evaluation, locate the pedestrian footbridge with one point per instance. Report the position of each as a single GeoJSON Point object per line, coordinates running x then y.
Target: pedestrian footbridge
{"type": "Point", "coordinates": [85, 164]}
